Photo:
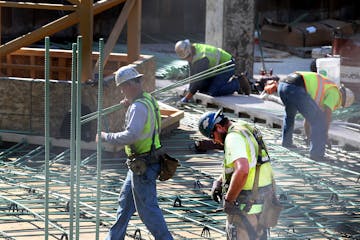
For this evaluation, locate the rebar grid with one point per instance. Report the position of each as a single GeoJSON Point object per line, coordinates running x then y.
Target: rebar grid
{"type": "Point", "coordinates": [321, 199]}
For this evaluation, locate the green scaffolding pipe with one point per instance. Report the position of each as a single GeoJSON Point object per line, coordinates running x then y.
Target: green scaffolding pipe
{"type": "Point", "coordinates": [99, 128]}
{"type": "Point", "coordinates": [72, 139]}
{"type": "Point", "coordinates": [78, 135]}
{"type": "Point", "coordinates": [47, 133]}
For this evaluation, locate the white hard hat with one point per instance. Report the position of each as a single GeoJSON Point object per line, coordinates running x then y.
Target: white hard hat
{"type": "Point", "coordinates": [183, 48]}
{"type": "Point", "coordinates": [347, 96]}
{"type": "Point", "coordinates": [126, 73]}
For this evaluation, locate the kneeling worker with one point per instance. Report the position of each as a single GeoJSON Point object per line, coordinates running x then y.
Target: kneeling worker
{"type": "Point", "coordinates": [315, 97]}
{"type": "Point", "coordinates": [202, 57]}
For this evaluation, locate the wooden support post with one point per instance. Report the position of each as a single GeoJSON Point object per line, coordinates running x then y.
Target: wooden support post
{"type": "Point", "coordinates": [115, 33]}
{"type": "Point", "coordinates": [134, 32]}
{"type": "Point", "coordinates": [86, 31]}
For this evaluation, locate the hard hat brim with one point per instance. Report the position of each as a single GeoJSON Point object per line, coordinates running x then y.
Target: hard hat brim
{"type": "Point", "coordinates": [137, 76]}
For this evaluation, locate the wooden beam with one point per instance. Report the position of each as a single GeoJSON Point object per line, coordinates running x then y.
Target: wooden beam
{"type": "Point", "coordinates": [40, 33]}
{"type": "Point", "coordinates": [53, 27]}
{"type": "Point", "coordinates": [86, 31]}
{"type": "Point", "coordinates": [105, 4]}
{"type": "Point", "coordinates": [75, 2]}
{"type": "Point", "coordinates": [134, 32]}
{"type": "Point", "coordinates": [115, 33]}
{"type": "Point", "coordinates": [31, 5]}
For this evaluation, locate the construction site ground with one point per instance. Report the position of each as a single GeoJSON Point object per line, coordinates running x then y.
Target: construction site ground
{"type": "Point", "coordinates": [321, 200]}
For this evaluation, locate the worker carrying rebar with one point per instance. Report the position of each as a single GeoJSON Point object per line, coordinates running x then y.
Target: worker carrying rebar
{"type": "Point", "coordinates": [202, 57]}
{"type": "Point", "coordinates": [140, 137]}
{"type": "Point", "coordinates": [247, 181]}
{"type": "Point", "coordinates": [315, 97]}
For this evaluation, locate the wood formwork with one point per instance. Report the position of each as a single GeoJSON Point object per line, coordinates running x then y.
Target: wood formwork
{"type": "Point", "coordinates": [82, 13]}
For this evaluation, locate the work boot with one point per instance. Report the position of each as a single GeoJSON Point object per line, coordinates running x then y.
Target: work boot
{"type": "Point", "coordinates": [244, 84]}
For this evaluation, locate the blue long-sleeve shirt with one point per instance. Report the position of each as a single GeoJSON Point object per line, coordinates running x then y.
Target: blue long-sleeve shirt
{"type": "Point", "coordinates": [135, 120]}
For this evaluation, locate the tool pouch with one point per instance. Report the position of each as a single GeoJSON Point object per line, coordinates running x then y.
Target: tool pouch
{"type": "Point", "coordinates": [137, 165]}
{"type": "Point", "coordinates": [168, 166]}
{"type": "Point", "coordinates": [271, 211]}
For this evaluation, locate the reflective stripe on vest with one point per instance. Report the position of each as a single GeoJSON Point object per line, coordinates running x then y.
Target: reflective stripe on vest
{"type": "Point", "coordinates": [143, 144]}
{"type": "Point", "coordinates": [321, 85]}
{"type": "Point", "coordinates": [214, 54]}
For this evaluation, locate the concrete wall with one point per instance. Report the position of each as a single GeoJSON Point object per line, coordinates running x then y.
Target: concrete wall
{"type": "Point", "coordinates": [230, 25]}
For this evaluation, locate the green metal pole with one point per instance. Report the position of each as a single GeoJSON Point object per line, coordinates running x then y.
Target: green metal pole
{"type": "Point", "coordinates": [72, 140]}
{"type": "Point", "coordinates": [47, 133]}
{"type": "Point", "coordinates": [99, 127]}
{"type": "Point", "coordinates": [78, 135]}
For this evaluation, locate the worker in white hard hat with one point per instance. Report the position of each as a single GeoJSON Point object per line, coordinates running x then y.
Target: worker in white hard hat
{"type": "Point", "coordinates": [202, 57]}
{"type": "Point", "coordinates": [139, 136]}
{"type": "Point", "coordinates": [315, 97]}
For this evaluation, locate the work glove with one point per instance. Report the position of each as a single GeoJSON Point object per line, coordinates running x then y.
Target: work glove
{"type": "Point", "coordinates": [231, 208]}
{"type": "Point", "coordinates": [216, 191]}
{"type": "Point", "coordinates": [183, 101]}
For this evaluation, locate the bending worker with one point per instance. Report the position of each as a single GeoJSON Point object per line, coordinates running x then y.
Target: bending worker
{"type": "Point", "coordinates": [315, 97]}
{"type": "Point", "coordinates": [141, 133]}
{"type": "Point", "coordinates": [201, 57]}
{"type": "Point", "coordinates": [244, 158]}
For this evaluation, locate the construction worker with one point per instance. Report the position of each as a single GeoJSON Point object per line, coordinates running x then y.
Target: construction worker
{"type": "Point", "coordinates": [202, 57]}
{"type": "Point", "coordinates": [244, 158]}
{"type": "Point", "coordinates": [140, 135]}
{"type": "Point", "coordinates": [315, 97]}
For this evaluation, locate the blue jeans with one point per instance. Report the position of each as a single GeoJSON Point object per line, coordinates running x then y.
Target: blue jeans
{"type": "Point", "coordinates": [295, 98]}
{"type": "Point", "coordinates": [139, 194]}
{"type": "Point", "coordinates": [218, 85]}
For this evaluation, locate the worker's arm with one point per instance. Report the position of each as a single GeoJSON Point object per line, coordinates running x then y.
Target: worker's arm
{"type": "Point", "coordinates": [199, 66]}
{"type": "Point", "coordinates": [238, 179]}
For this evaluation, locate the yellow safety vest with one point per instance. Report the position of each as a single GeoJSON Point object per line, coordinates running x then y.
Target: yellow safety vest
{"type": "Point", "coordinates": [265, 173]}
{"type": "Point", "coordinates": [317, 86]}
{"type": "Point", "coordinates": [214, 54]}
{"type": "Point", "coordinates": [143, 145]}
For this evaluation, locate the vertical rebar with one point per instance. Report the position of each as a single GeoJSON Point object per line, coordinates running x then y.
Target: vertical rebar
{"type": "Point", "coordinates": [78, 135]}
{"type": "Point", "coordinates": [99, 128]}
{"type": "Point", "coordinates": [47, 133]}
{"type": "Point", "coordinates": [72, 140]}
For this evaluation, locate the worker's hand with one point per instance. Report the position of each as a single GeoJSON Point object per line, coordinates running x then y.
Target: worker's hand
{"type": "Point", "coordinates": [182, 102]}
{"type": "Point", "coordinates": [231, 207]}
{"type": "Point", "coordinates": [102, 136]}
{"type": "Point", "coordinates": [216, 191]}
{"type": "Point", "coordinates": [125, 102]}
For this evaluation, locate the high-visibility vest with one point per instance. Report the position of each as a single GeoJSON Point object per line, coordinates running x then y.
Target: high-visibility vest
{"type": "Point", "coordinates": [265, 173]}
{"type": "Point", "coordinates": [317, 85]}
{"type": "Point", "coordinates": [252, 149]}
{"type": "Point", "coordinates": [153, 121]}
{"type": "Point", "coordinates": [214, 54]}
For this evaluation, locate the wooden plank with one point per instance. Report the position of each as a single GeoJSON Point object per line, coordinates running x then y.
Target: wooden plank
{"type": "Point", "coordinates": [32, 5]}
{"type": "Point", "coordinates": [133, 32]}
{"type": "Point", "coordinates": [53, 27]}
{"type": "Point", "coordinates": [40, 33]}
{"type": "Point", "coordinates": [75, 2]}
{"type": "Point", "coordinates": [115, 33]}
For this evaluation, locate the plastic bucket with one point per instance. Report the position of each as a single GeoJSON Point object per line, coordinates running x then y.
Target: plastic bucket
{"type": "Point", "coordinates": [330, 68]}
